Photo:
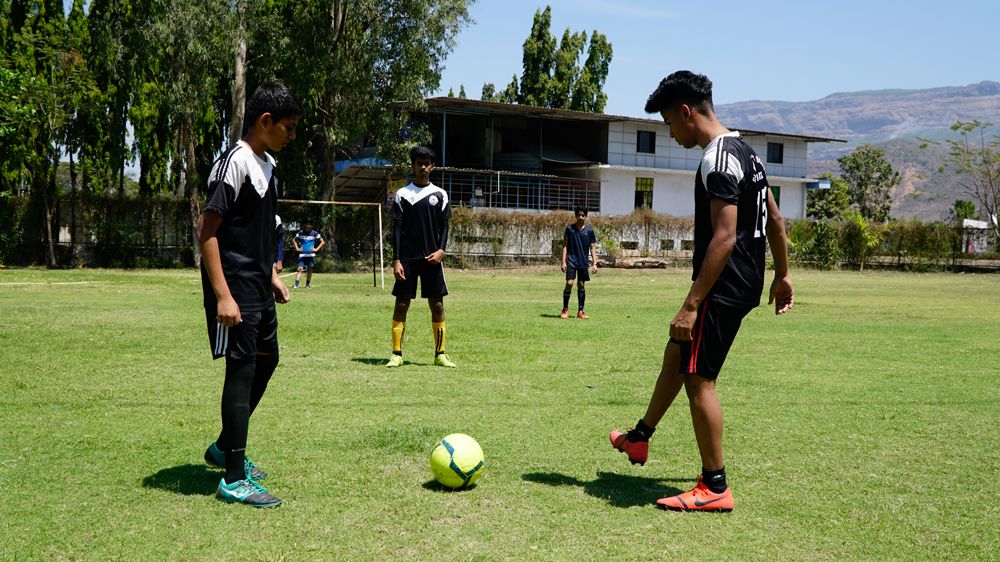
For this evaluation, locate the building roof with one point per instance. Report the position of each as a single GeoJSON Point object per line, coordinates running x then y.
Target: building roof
{"type": "Point", "coordinates": [464, 106]}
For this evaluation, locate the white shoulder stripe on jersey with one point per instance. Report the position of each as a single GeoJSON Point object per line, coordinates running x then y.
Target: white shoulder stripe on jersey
{"type": "Point", "coordinates": [718, 160]}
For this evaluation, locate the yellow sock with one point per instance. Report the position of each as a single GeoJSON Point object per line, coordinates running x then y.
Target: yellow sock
{"type": "Point", "coordinates": [397, 336]}
{"type": "Point", "coordinates": [438, 328]}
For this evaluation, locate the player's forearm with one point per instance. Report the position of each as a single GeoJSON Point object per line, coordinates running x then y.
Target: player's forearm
{"type": "Point", "coordinates": [211, 259]}
{"type": "Point", "coordinates": [397, 239]}
{"type": "Point", "coordinates": [779, 244]}
{"type": "Point", "coordinates": [443, 237]}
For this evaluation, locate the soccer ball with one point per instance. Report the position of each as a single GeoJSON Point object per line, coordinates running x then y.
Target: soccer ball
{"type": "Point", "coordinates": [457, 461]}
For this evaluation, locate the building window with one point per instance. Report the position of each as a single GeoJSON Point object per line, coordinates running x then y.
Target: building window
{"type": "Point", "coordinates": [643, 193]}
{"type": "Point", "coordinates": [645, 141]}
{"type": "Point", "coordinates": [775, 153]}
{"type": "Point", "coordinates": [776, 193]}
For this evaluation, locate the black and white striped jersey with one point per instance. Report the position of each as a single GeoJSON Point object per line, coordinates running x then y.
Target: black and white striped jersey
{"type": "Point", "coordinates": [730, 170]}
{"type": "Point", "coordinates": [420, 221]}
{"type": "Point", "coordinates": [241, 188]}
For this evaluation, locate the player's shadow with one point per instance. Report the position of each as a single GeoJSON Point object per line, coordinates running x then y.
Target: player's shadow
{"type": "Point", "coordinates": [380, 361]}
{"type": "Point", "coordinates": [186, 479]}
{"type": "Point", "coordinates": [370, 360]}
{"type": "Point", "coordinates": [619, 490]}
{"type": "Point", "coordinates": [550, 316]}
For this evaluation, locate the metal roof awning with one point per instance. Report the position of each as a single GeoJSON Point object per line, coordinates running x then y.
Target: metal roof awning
{"type": "Point", "coordinates": [361, 183]}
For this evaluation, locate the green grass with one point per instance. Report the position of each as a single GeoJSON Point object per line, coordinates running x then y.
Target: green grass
{"type": "Point", "coordinates": [864, 425]}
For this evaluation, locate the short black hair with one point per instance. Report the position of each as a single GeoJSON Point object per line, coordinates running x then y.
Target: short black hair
{"type": "Point", "coordinates": [418, 152]}
{"type": "Point", "coordinates": [681, 87]}
{"type": "Point", "coordinates": [579, 210]}
{"type": "Point", "coordinates": [274, 98]}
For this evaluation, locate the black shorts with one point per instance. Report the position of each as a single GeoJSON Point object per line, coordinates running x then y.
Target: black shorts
{"type": "Point", "coordinates": [432, 284]}
{"type": "Point", "coordinates": [714, 332]}
{"type": "Point", "coordinates": [583, 274]}
{"type": "Point", "coordinates": [257, 333]}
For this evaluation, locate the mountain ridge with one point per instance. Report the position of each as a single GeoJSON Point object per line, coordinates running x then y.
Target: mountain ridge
{"type": "Point", "coordinates": [898, 120]}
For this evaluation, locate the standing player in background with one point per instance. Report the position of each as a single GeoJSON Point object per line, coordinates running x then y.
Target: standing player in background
{"type": "Point", "coordinates": [240, 284]}
{"type": "Point", "coordinates": [579, 260]}
{"type": "Point", "coordinates": [420, 214]}
{"type": "Point", "coordinates": [305, 244]}
{"type": "Point", "coordinates": [735, 217]}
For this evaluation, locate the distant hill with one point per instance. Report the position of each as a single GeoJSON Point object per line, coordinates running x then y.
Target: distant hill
{"type": "Point", "coordinates": [895, 120]}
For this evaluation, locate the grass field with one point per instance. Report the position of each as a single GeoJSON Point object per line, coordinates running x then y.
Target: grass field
{"type": "Point", "coordinates": [863, 425]}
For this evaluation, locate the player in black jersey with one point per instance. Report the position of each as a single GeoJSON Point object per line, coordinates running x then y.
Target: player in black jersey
{"type": "Point", "coordinates": [420, 213]}
{"type": "Point", "coordinates": [735, 217]}
{"type": "Point", "coordinates": [240, 285]}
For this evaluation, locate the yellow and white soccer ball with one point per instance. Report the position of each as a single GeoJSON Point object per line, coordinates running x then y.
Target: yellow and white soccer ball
{"type": "Point", "coordinates": [457, 461]}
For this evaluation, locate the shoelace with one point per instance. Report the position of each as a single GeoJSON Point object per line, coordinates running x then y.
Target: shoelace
{"type": "Point", "coordinates": [249, 487]}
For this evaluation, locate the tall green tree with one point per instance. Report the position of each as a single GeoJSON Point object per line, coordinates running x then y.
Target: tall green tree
{"type": "Point", "coordinates": [961, 210]}
{"type": "Point", "coordinates": [870, 180]}
{"type": "Point", "coordinates": [552, 74]}
{"type": "Point", "coordinates": [566, 71]}
{"type": "Point", "coordinates": [830, 204]}
{"type": "Point", "coordinates": [588, 90]}
{"type": "Point", "coordinates": [539, 51]}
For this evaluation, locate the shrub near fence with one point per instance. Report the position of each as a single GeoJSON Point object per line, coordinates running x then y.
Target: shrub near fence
{"type": "Point", "coordinates": [907, 245]}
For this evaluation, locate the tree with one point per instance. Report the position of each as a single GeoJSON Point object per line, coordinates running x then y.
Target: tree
{"type": "Point", "coordinates": [974, 161]}
{"type": "Point", "coordinates": [961, 210]}
{"type": "Point", "coordinates": [537, 60]}
{"type": "Point", "coordinates": [870, 180]}
{"type": "Point", "coordinates": [566, 71]}
{"type": "Point", "coordinates": [489, 92]}
{"type": "Point", "coordinates": [588, 91]}
{"type": "Point", "coordinates": [829, 203]}
{"type": "Point", "coordinates": [553, 77]}
{"type": "Point", "coordinates": [461, 92]}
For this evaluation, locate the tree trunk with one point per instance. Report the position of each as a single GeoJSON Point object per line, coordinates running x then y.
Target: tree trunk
{"type": "Point", "coordinates": [239, 89]}
{"type": "Point", "coordinates": [191, 183]}
{"type": "Point", "coordinates": [330, 186]}
{"type": "Point", "coordinates": [48, 192]}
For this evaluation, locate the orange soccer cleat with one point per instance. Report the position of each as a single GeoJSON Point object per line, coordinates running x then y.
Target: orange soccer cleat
{"type": "Point", "coordinates": [582, 315]}
{"type": "Point", "coordinates": [637, 451]}
{"type": "Point", "coordinates": [565, 313]}
{"type": "Point", "coordinates": [699, 498]}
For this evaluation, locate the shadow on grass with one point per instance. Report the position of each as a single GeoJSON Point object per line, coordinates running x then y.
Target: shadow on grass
{"type": "Point", "coordinates": [619, 490]}
{"type": "Point", "coordinates": [186, 479]}
{"type": "Point", "coordinates": [435, 486]}
{"type": "Point", "coordinates": [380, 361]}
{"type": "Point", "coordinates": [550, 316]}
{"type": "Point", "coordinates": [370, 360]}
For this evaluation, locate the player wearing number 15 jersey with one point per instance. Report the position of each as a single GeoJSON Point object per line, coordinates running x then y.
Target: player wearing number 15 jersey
{"type": "Point", "coordinates": [735, 216]}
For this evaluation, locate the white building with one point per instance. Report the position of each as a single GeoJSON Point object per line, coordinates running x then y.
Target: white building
{"type": "Point", "coordinates": [525, 158]}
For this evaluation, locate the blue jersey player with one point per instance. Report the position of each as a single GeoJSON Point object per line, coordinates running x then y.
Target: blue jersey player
{"type": "Point", "coordinates": [579, 260]}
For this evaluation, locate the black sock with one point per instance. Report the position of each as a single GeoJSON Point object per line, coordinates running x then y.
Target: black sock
{"type": "Point", "coordinates": [581, 297]}
{"type": "Point", "coordinates": [566, 295]}
{"type": "Point", "coordinates": [236, 392]}
{"type": "Point", "coordinates": [642, 432]}
{"type": "Point", "coordinates": [714, 479]}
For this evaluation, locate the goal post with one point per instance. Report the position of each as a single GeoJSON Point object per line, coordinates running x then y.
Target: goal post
{"type": "Point", "coordinates": [378, 262]}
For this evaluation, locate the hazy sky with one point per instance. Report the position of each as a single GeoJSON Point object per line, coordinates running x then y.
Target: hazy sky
{"type": "Point", "coordinates": [752, 49]}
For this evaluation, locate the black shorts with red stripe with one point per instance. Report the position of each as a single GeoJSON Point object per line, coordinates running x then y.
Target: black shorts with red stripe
{"type": "Point", "coordinates": [257, 333]}
{"type": "Point", "coordinates": [713, 334]}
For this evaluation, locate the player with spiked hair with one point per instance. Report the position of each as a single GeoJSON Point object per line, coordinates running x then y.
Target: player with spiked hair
{"type": "Point", "coordinates": [420, 213]}
{"type": "Point", "coordinates": [735, 217]}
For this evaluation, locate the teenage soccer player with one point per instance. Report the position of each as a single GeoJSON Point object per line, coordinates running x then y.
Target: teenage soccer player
{"type": "Point", "coordinates": [305, 244]}
{"type": "Point", "coordinates": [735, 217]}
{"type": "Point", "coordinates": [420, 214]}
{"type": "Point", "coordinates": [240, 284]}
{"type": "Point", "coordinates": [579, 260]}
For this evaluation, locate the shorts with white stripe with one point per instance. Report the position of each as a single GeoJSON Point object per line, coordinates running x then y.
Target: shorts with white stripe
{"type": "Point", "coordinates": [713, 334]}
{"type": "Point", "coordinates": [257, 333]}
